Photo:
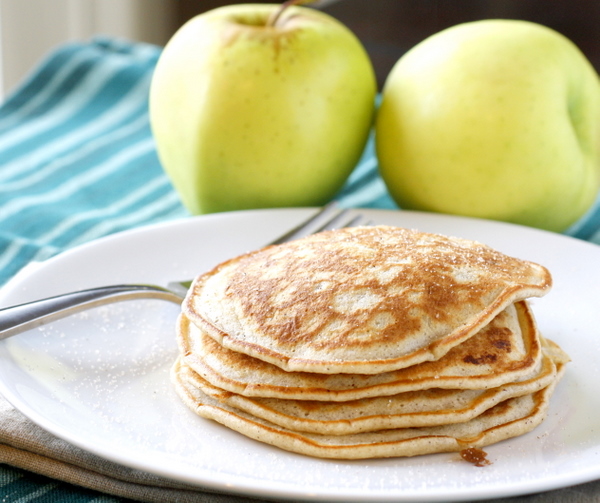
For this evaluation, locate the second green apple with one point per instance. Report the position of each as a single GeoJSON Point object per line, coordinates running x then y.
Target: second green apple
{"type": "Point", "coordinates": [495, 119]}
{"type": "Point", "coordinates": [247, 115]}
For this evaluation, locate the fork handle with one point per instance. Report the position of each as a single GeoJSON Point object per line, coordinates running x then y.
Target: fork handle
{"type": "Point", "coordinates": [22, 317]}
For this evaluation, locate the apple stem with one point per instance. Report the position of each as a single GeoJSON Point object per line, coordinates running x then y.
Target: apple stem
{"type": "Point", "coordinates": [276, 14]}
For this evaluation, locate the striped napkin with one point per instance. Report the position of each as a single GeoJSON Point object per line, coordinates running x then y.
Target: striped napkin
{"type": "Point", "coordinates": [77, 162]}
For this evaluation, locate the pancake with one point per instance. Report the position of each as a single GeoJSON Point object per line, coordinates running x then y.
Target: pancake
{"type": "Point", "coordinates": [506, 350]}
{"type": "Point", "coordinates": [431, 407]}
{"type": "Point", "coordinates": [509, 418]}
{"type": "Point", "coordinates": [361, 300]}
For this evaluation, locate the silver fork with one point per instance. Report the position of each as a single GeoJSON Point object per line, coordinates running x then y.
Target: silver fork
{"type": "Point", "coordinates": [22, 317]}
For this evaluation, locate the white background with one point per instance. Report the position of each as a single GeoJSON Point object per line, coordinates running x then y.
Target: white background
{"type": "Point", "coordinates": [29, 29]}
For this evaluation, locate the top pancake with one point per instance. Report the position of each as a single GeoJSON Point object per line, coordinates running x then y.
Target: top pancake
{"type": "Point", "coordinates": [359, 300]}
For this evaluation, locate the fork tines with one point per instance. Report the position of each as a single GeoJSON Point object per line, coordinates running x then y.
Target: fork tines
{"type": "Point", "coordinates": [330, 217]}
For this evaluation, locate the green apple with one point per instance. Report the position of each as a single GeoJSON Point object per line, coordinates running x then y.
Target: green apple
{"type": "Point", "coordinates": [253, 110]}
{"type": "Point", "coordinates": [496, 119]}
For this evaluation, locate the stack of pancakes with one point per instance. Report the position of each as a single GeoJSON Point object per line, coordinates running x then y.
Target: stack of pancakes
{"type": "Point", "coordinates": [369, 342]}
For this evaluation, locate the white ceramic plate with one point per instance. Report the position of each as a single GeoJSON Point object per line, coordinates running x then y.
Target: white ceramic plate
{"type": "Point", "coordinates": [100, 379]}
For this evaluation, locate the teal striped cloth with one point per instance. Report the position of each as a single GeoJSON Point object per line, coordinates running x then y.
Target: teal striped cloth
{"type": "Point", "coordinates": [77, 162]}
